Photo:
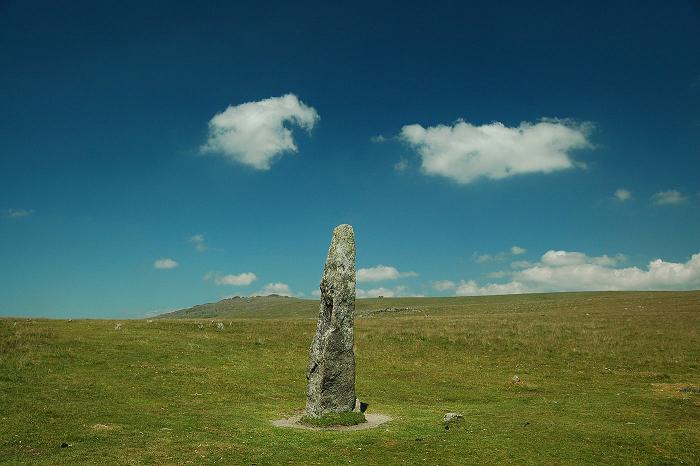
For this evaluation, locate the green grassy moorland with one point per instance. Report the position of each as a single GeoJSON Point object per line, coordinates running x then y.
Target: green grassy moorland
{"type": "Point", "coordinates": [606, 378]}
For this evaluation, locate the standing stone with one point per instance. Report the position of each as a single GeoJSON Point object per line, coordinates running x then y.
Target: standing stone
{"type": "Point", "coordinates": [331, 371]}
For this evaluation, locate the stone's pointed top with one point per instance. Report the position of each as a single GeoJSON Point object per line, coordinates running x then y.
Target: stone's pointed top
{"type": "Point", "coordinates": [343, 230]}
{"type": "Point", "coordinates": [341, 253]}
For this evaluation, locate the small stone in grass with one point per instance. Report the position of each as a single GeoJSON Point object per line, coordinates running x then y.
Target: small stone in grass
{"type": "Point", "coordinates": [451, 418]}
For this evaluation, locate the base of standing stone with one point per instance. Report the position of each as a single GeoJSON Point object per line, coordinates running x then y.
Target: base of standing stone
{"type": "Point", "coordinates": [373, 420]}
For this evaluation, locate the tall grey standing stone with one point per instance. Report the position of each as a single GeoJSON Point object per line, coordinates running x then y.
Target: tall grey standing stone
{"type": "Point", "coordinates": [331, 370]}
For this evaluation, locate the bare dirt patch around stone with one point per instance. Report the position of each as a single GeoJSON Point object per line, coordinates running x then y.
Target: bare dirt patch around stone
{"type": "Point", "coordinates": [373, 420]}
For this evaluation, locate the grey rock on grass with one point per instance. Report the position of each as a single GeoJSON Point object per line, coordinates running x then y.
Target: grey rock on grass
{"type": "Point", "coordinates": [331, 370]}
{"type": "Point", "coordinates": [451, 418]}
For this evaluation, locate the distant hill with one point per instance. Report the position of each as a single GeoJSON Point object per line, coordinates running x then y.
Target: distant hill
{"type": "Point", "coordinates": [270, 306]}
{"type": "Point", "coordinates": [279, 307]}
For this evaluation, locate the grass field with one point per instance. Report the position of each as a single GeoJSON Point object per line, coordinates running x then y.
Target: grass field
{"type": "Point", "coordinates": [606, 378]}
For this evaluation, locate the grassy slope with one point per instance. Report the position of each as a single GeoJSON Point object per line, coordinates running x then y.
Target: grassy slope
{"type": "Point", "coordinates": [168, 392]}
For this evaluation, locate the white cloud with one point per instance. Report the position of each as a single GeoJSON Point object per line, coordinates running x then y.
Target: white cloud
{"type": "Point", "coordinates": [381, 273]}
{"type": "Point", "coordinates": [281, 289]}
{"type": "Point", "coordinates": [501, 256]}
{"type": "Point", "coordinates": [672, 196]}
{"type": "Point", "coordinates": [558, 258]}
{"type": "Point", "coordinates": [443, 285]}
{"type": "Point", "coordinates": [242, 279]}
{"type": "Point", "coordinates": [464, 152]}
{"type": "Point", "coordinates": [378, 138]}
{"type": "Point", "coordinates": [401, 165]}
{"type": "Point", "coordinates": [399, 290]}
{"type": "Point", "coordinates": [254, 133]}
{"type": "Point", "coordinates": [483, 258]}
{"type": "Point", "coordinates": [576, 271]}
{"type": "Point", "coordinates": [19, 213]}
{"type": "Point", "coordinates": [470, 288]}
{"type": "Point", "coordinates": [622, 194]}
{"type": "Point", "coordinates": [198, 241]}
{"type": "Point", "coordinates": [165, 263]}
{"type": "Point", "coordinates": [520, 264]}
{"type": "Point", "coordinates": [316, 293]}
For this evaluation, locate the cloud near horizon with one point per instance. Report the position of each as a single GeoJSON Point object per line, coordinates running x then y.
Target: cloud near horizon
{"type": "Point", "coordinates": [443, 285]}
{"type": "Point", "coordinates": [576, 271]}
{"type": "Point", "coordinates": [241, 279]}
{"type": "Point", "coordinates": [380, 273]}
{"type": "Point", "coordinates": [396, 291]}
{"type": "Point", "coordinates": [278, 288]}
{"type": "Point", "coordinates": [254, 133]}
{"type": "Point", "coordinates": [501, 256]}
{"type": "Point", "coordinates": [464, 152]}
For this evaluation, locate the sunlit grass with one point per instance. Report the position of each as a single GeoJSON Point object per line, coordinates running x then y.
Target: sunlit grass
{"type": "Point", "coordinates": [601, 381]}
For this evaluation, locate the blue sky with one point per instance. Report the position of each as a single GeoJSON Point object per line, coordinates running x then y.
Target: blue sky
{"type": "Point", "coordinates": [159, 156]}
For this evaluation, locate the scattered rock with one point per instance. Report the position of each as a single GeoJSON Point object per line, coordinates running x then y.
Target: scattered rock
{"type": "Point", "coordinates": [117, 326]}
{"type": "Point", "coordinates": [331, 369]}
{"type": "Point", "coordinates": [515, 380]}
{"type": "Point", "coordinates": [102, 427]}
{"type": "Point", "coordinates": [220, 326]}
{"type": "Point", "coordinates": [388, 310]}
{"type": "Point", "coordinates": [66, 445]}
{"type": "Point", "coordinates": [451, 418]}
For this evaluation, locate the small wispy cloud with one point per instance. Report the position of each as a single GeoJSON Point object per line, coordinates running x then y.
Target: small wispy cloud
{"type": "Point", "coordinates": [165, 263]}
{"type": "Point", "coordinates": [241, 279]}
{"type": "Point", "coordinates": [378, 139]}
{"type": "Point", "coordinates": [380, 273]}
{"type": "Point", "coordinates": [18, 213]}
{"type": "Point", "coordinates": [198, 242]}
{"type": "Point", "coordinates": [622, 194]}
{"type": "Point", "coordinates": [672, 196]}
{"type": "Point", "coordinates": [401, 165]}
{"type": "Point", "coordinates": [486, 258]}
{"type": "Point", "coordinates": [498, 257]}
